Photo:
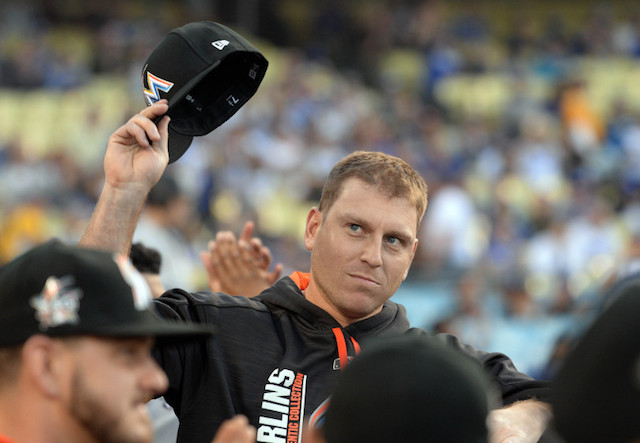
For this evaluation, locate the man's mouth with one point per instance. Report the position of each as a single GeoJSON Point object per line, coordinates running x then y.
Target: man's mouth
{"type": "Point", "coordinates": [365, 279]}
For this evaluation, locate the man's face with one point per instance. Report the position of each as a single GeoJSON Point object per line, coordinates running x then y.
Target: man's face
{"type": "Point", "coordinates": [109, 386]}
{"type": "Point", "coordinates": [361, 250]}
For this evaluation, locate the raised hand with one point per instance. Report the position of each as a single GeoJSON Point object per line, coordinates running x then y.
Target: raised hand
{"type": "Point", "coordinates": [235, 430]}
{"type": "Point", "coordinates": [239, 266]}
{"type": "Point", "coordinates": [137, 155]}
{"type": "Point", "coordinates": [520, 422]}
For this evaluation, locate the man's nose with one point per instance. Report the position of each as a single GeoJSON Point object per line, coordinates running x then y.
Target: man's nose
{"type": "Point", "coordinates": [372, 251]}
{"type": "Point", "coordinates": [155, 379]}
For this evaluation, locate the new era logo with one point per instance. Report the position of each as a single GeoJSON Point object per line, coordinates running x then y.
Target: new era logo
{"type": "Point", "coordinates": [220, 44]}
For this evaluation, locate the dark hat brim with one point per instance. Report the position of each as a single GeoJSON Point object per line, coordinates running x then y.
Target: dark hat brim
{"type": "Point", "coordinates": [147, 324]}
{"type": "Point", "coordinates": [178, 144]}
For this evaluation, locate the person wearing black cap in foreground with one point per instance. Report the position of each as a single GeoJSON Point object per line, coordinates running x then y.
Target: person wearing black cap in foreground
{"type": "Point", "coordinates": [76, 332]}
{"type": "Point", "coordinates": [411, 389]}
{"type": "Point", "coordinates": [596, 393]}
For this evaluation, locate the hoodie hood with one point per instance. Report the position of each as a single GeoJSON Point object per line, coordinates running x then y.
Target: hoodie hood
{"type": "Point", "coordinates": [392, 320]}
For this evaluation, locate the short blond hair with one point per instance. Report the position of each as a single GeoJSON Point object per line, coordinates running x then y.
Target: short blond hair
{"type": "Point", "coordinates": [389, 173]}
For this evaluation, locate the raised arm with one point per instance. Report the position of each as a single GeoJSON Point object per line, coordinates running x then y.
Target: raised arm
{"type": "Point", "coordinates": [132, 165]}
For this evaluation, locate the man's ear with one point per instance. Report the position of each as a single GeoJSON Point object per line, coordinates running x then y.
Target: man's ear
{"type": "Point", "coordinates": [314, 221]}
{"type": "Point", "coordinates": [42, 360]}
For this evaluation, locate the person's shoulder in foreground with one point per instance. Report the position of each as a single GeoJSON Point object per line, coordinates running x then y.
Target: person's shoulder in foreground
{"type": "Point", "coordinates": [76, 331]}
{"type": "Point", "coordinates": [596, 393]}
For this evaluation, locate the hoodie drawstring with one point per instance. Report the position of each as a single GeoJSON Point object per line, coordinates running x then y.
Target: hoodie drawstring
{"type": "Point", "coordinates": [342, 347]}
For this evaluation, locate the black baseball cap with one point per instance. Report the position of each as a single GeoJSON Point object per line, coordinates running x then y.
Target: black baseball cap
{"type": "Point", "coordinates": [596, 392]}
{"type": "Point", "coordinates": [60, 290]}
{"type": "Point", "coordinates": [413, 389]}
{"type": "Point", "coordinates": [207, 71]}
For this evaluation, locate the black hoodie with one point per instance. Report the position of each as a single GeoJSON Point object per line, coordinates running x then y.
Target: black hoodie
{"type": "Point", "coordinates": [275, 359]}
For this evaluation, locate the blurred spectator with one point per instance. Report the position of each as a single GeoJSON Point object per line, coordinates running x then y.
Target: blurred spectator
{"type": "Point", "coordinates": [517, 297]}
{"type": "Point", "coordinates": [450, 231]}
{"type": "Point", "coordinates": [596, 237]}
{"type": "Point", "coordinates": [474, 316]}
{"type": "Point", "coordinates": [582, 125]}
{"type": "Point", "coordinates": [167, 225]}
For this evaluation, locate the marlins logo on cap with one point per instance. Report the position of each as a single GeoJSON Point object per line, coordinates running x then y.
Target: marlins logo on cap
{"type": "Point", "coordinates": [207, 72]}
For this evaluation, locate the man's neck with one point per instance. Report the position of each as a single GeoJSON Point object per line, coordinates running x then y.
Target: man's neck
{"type": "Point", "coordinates": [35, 419]}
{"type": "Point", "coordinates": [317, 299]}
{"type": "Point", "coordinates": [311, 292]}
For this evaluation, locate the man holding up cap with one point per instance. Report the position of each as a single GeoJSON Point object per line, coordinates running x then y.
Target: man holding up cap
{"type": "Point", "coordinates": [276, 356]}
{"type": "Point", "coordinates": [77, 328]}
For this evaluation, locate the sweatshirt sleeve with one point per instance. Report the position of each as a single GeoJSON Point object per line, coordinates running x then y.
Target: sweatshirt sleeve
{"type": "Point", "coordinates": [192, 365]}
{"type": "Point", "coordinates": [512, 384]}
{"type": "Point", "coordinates": [178, 358]}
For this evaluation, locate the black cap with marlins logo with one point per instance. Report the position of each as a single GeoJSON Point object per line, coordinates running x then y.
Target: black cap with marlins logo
{"type": "Point", "coordinates": [207, 72]}
{"type": "Point", "coordinates": [60, 290]}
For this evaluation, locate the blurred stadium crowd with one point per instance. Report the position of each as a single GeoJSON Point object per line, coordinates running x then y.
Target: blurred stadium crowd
{"type": "Point", "coordinates": [525, 123]}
